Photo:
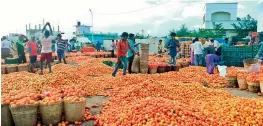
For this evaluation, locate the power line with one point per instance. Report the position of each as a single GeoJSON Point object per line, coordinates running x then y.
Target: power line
{"type": "Point", "coordinates": [134, 10]}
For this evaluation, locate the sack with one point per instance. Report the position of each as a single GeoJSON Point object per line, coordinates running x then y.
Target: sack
{"type": "Point", "coordinates": [136, 64]}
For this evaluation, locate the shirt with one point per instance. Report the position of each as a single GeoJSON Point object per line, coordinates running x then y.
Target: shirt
{"type": "Point", "coordinates": [131, 43]}
{"type": "Point", "coordinates": [160, 47]}
{"type": "Point", "coordinates": [173, 43]}
{"type": "Point", "coordinates": [20, 47]}
{"type": "Point", "coordinates": [113, 46]}
{"type": "Point", "coordinates": [46, 44]}
{"type": "Point", "coordinates": [33, 47]}
{"type": "Point", "coordinates": [198, 48]}
{"type": "Point", "coordinates": [61, 44]}
{"type": "Point", "coordinates": [122, 48]}
{"type": "Point", "coordinates": [6, 44]}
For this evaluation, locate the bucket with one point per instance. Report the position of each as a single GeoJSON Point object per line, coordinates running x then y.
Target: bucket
{"type": "Point", "coordinates": [6, 116]}
{"type": "Point", "coordinates": [74, 111]}
{"type": "Point", "coordinates": [51, 114]}
{"type": "Point", "coordinates": [253, 87]}
{"type": "Point", "coordinates": [252, 65]}
{"type": "Point", "coordinates": [242, 83]}
{"type": "Point", "coordinates": [25, 115]}
{"type": "Point", "coordinates": [231, 81]}
{"type": "Point", "coordinates": [222, 70]}
{"type": "Point", "coordinates": [152, 70]}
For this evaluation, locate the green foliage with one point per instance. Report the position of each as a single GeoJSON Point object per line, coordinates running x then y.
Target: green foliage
{"type": "Point", "coordinates": [219, 30]}
{"type": "Point", "coordinates": [245, 25]}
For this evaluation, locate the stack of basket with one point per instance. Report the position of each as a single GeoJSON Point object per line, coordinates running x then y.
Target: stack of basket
{"type": "Point", "coordinates": [144, 58]}
{"type": "Point", "coordinates": [185, 49]}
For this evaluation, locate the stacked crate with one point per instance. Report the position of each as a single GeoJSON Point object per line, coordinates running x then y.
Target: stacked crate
{"type": "Point", "coordinates": [234, 55]}
{"type": "Point", "coordinates": [185, 49]}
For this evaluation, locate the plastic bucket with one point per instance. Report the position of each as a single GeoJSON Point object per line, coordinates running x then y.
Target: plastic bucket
{"type": "Point", "coordinates": [222, 70]}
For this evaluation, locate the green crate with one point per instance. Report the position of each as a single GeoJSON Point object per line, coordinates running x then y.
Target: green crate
{"type": "Point", "coordinates": [11, 61]}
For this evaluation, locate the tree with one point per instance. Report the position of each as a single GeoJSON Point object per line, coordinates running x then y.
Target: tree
{"type": "Point", "coordinates": [245, 25]}
{"type": "Point", "coordinates": [183, 31]}
{"type": "Point", "coordinates": [219, 30]}
{"type": "Point", "coordinates": [139, 36]}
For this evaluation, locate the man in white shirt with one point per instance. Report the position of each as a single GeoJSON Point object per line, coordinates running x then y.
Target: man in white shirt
{"type": "Point", "coordinates": [46, 51]}
{"type": "Point", "coordinates": [5, 47]}
{"type": "Point", "coordinates": [198, 52]}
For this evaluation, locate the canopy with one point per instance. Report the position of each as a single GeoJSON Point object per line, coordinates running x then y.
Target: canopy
{"type": "Point", "coordinates": [83, 40]}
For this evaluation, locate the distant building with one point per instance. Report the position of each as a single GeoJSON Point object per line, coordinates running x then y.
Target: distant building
{"type": "Point", "coordinates": [225, 13]}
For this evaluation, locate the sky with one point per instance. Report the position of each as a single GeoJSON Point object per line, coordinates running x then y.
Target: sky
{"type": "Point", "coordinates": [111, 15]}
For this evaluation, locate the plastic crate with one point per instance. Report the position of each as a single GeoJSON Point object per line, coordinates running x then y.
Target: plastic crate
{"type": "Point", "coordinates": [11, 61]}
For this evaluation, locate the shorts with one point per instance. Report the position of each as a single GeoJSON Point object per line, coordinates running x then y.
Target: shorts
{"type": "Point", "coordinates": [61, 54]}
{"type": "Point", "coordinates": [46, 57]}
{"type": "Point", "coordinates": [33, 59]}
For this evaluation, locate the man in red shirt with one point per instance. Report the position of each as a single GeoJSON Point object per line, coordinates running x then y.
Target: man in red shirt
{"type": "Point", "coordinates": [32, 47]}
{"type": "Point", "coordinates": [122, 46]}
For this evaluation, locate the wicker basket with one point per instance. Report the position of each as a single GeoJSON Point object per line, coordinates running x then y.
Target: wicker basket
{"type": "Point", "coordinates": [253, 87]}
{"type": "Point", "coordinates": [3, 69]}
{"type": "Point", "coordinates": [11, 68]}
{"type": "Point", "coordinates": [185, 64]}
{"type": "Point", "coordinates": [242, 83]}
{"type": "Point", "coordinates": [152, 70]}
{"type": "Point", "coordinates": [51, 114]}
{"type": "Point", "coordinates": [231, 81]}
{"type": "Point", "coordinates": [25, 115]}
{"type": "Point", "coordinates": [6, 116]}
{"type": "Point", "coordinates": [74, 111]}
{"type": "Point", "coordinates": [168, 68]}
{"type": "Point", "coordinates": [261, 87]}
{"type": "Point", "coordinates": [161, 69]}
{"type": "Point", "coordinates": [23, 67]}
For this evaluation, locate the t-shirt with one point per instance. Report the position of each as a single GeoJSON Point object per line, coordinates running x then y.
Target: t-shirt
{"type": "Point", "coordinates": [46, 44]}
{"type": "Point", "coordinates": [20, 47]}
{"type": "Point", "coordinates": [131, 43]}
{"type": "Point", "coordinates": [6, 44]}
{"type": "Point", "coordinates": [122, 48]}
{"type": "Point", "coordinates": [33, 47]}
{"type": "Point", "coordinates": [198, 48]}
{"type": "Point", "coordinates": [61, 44]}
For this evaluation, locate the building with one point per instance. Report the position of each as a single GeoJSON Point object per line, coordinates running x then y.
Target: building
{"type": "Point", "coordinates": [225, 13]}
{"type": "Point", "coordinates": [260, 17]}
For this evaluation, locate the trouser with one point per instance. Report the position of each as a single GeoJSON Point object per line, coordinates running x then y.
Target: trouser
{"type": "Point", "coordinates": [5, 52]}
{"type": "Point", "coordinates": [172, 60]}
{"type": "Point", "coordinates": [22, 58]}
{"type": "Point", "coordinates": [210, 68]}
{"type": "Point", "coordinates": [130, 64]}
{"type": "Point", "coordinates": [198, 59]}
{"type": "Point", "coordinates": [112, 53]}
{"type": "Point", "coordinates": [123, 60]}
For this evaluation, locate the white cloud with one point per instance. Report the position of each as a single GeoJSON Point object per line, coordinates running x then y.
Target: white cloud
{"type": "Point", "coordinates": [240, 6]}
{"type": "Point", "coordinates": [193, 10]}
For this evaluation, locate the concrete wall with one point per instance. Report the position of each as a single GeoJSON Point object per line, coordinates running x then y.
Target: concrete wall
{"type": "Point", "coordinates": [225, 13]}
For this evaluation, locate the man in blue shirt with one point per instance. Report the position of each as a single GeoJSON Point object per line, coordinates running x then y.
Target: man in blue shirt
{"type": "Point", "coordinates": [226, 43]}
{"type": "Point", "coordinates": [130, 55]}
{"type": "Point", "coordinates": [172, 46]}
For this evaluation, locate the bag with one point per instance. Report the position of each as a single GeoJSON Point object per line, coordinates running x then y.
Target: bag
{"type": "Point", "coordinates": [136, 64]}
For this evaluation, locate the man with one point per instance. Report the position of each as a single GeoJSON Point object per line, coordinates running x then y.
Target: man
{"type": "Point", "coordinates": [46, 51]}
{"type": "Point", "coordinates": [121, 53]}
{"type": "Point", "coordinates": [208, 43]}
{"type": "Point", "coordinates": [5, 47]}
{"type": "Point", "coordinates": [21, 50]}
{"type": "Point", "coordinates": [113, 47]}
{"type": "Point", "coordinates": [198, 52]}
{"type": "Point", "coordinates": [160, 47]}
{"type": "Point", "coordinates": [61, 46]}
{"type": "Point", "coordinates": [211, 61]}
{"type": "Point", "coordinates": [173, 44]}
{"type": "Point", "coordinates": [226, 43]}
{"type": "Point", "coordinates": [130, 53]}
{"type": "Point", "coordinates": [98, 46]}
{"type": "Point", "coordinates": [32, 48]}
